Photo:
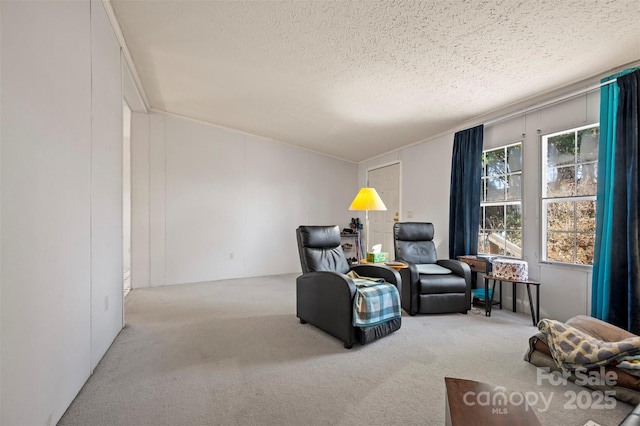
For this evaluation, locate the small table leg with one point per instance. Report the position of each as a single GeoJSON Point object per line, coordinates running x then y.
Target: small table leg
{"type": "Point", "coordinates": [487, 305]}
{"type": "Point", "coordinates": [537, 304]}
{"type": "Point", "coordinates": [533, 313]}
{"type": "Point", "coordinates": [489, 299]}
{"type": "Point", "coordinates": [513, 296]}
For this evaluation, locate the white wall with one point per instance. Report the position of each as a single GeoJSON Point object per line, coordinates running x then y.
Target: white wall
{"type": "Point", "coordinates": [126, 185]}
{"type": "Point", "coordinates": [426, 173]}
{"type": "Point", "coordinates": [211, 203]}
{"type": "Point", "coordinates": [59, 170]}
{"type": "Point", "coordinates": [106, 185]}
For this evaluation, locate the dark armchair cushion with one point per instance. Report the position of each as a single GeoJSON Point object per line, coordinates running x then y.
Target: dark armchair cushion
{"type": "Point", "coordinates": [320, 250]}
{"type": "Point", "coordinates": [414, 242]}
{"type": "Point", "coordinates": [414, 231]}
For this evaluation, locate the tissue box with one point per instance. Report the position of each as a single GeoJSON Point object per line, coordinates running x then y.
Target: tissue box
{"type": "Point", "coordinates": [511, 269]}
{"type": "Point", "coordinates": [377, 257]}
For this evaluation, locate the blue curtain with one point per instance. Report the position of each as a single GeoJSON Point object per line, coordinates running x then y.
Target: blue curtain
{"type": "Point", "coordinates": [615, 295]}
{"type": "Point", "coordinates": [464, 199]}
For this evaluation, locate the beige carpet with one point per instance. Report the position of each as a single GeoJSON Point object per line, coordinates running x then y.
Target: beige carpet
{"type": "Point", "coordinates": [233, 353]}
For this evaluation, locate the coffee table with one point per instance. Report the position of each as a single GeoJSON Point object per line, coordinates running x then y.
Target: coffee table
{"type": "Point", "coordinates": [475, 403]}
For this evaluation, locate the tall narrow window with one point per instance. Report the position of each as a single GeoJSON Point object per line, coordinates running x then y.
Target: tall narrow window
{"type": "Point", "coordinates": [501, 202]}
{"type": "Point", "coordinates": [569, 183]}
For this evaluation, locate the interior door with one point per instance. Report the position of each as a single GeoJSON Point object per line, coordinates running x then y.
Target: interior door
{"type": "Point", "coordinates": [386, 181]}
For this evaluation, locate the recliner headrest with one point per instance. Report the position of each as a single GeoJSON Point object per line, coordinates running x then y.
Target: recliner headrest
{"type": "Point", "coordinates": [413, 231]}
{"type": "Point", "coordinates": [320, 236]}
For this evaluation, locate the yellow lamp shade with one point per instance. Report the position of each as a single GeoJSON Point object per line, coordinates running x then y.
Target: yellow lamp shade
{"type": "Point", "coordinates": [367, 199]}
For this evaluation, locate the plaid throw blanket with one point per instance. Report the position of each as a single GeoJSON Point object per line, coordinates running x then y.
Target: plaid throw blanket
{"type": "Point", "coordinates": [571, 348]}
{"type": "Point", "coordinates": [375, 301]}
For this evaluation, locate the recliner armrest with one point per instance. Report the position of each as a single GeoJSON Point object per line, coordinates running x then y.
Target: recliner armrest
{"type": "Point", "coordinates": [457, 267]}
{"type": "Point", "coordinates": [387, 273]}
{"type": "Point", "coordinates": [330, 283]}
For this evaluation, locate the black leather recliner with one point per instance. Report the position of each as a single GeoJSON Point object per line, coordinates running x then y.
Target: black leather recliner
{"type": "Point", "coordinates": [325, 295]}
{"type": "Point", "coordinates": [430, 286]}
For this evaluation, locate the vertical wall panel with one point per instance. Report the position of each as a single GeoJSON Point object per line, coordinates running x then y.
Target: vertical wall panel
{"type": "Point", "coordinates": [106, 185]}
{"type": "Point", "coordinates": [140, 200]}
{"type": "Point", "coordinates": [332, 185]}
{"type": "Point", "coordinates": [426, 170]}
{"type": "Point", "coordinates": [46, 163]}
{"type": "Point", "coordinates": [276, 204]}
{"type": "Point", "coordinates": [205, 202]}
{"type": "Point", "coordinates": [157, 187]}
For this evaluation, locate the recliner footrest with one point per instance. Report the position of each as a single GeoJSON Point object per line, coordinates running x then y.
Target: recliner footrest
{"type": "Point", "coordinates": [369, 334]}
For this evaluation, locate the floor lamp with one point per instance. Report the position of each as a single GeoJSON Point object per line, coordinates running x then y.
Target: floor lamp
{"type": "Point", "coordinates": [367, 199]}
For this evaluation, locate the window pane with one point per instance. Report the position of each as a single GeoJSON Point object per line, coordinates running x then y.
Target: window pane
{"type": "Point", "coordinates": [495, 189]}
{"type": "Point", "coordinates": [586, 243]}
{"type": "Point", "coordinates": [560, 246]}
{"type": "Point", "coordinates": [496, 242]}
{"type": "Point", "coordinates": [561, 181]}
{"type": "Point", "coordinates": [483, 243]}
{"type": "Point", "coordinates": [514, 243]}
{"type": "Point", "coordinates": [588, 144]}
{"type": "Point", "coordinates": [514, 217]}
{"type": "Point", "coordinates": [514, 158]}
{"type": "Point", "coordinates": [570, 170]}
{"type": "Point", "coordinates": [501, 183]}
{"type": "Point", "coordinates": [494, 218]}
{"type": "Point", "coordinates": [586, 216]}
{"type": "Point", "coordinates": [495, 162]}
{"type": "Point", "coordinates": [560, 216]}
{"type": "Point", "coordinates": [561, 149]}
{"type": "Point", "coordinates": [587, 176]}
{"type": "Point", "coordinates": [514, 190]}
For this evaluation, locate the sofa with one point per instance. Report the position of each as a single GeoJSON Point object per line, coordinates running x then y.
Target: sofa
{"type": "Point", "coordinates": [627, 382]}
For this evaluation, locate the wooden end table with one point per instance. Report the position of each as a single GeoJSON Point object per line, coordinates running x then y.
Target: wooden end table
{"type": "Point", "coordinates": [535, 314]}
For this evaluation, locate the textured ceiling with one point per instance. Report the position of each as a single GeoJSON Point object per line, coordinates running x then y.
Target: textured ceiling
{"type": "Point", "coordinates": [355, 79]}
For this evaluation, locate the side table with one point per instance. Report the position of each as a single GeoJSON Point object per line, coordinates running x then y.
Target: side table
{"type": "Point", "coordinates": [535, 314]}
{"type": "Point", "coordinates": [479, 265]}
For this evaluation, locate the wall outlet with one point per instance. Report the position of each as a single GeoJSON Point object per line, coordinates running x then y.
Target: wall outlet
{"type": "Point", "coordinates": [231, 256]}
{"type": "Point", "coordinates": [410, 213]}
{"type": "Point", "coordinates": [106, 303]}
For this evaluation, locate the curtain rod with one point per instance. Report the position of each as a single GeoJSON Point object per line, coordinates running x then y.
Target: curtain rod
{"type": "Point", "coordinates": [550, 102]}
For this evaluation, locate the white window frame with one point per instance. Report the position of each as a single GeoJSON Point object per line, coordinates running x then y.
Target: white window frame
{"type": "Point", "coordinates": [505, 202]}
{"type": "Point", "coordinates": [546, 200]}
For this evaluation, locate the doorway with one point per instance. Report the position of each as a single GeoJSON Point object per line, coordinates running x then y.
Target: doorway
{"type": "Point", "coordinates": [386, 181]}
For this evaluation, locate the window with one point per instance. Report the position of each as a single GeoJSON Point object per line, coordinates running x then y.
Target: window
{"type": "Point", "coordinates": [501, 202]}
{"type": "Point", "coordinates": [569, 183]}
